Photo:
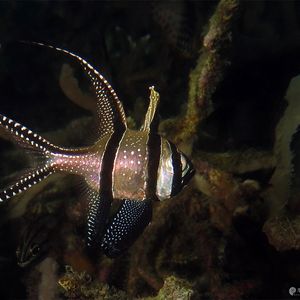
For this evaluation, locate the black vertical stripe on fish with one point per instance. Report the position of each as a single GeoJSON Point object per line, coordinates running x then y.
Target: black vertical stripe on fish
{"type": "Point", "coordinates": [100, 202]}
{"type": "Point", "coordinates": [108, 161]}
{"type": "Point", "coordinates": [177, 169]}
{"type": "Point", "coordinates": [125, 227]}
{"type": "Point", "coordinates": [25, 182]}
{"type": "Point", "coordinates": [153, 146]}
{"type": "Point", "coordinates": [110, 112]}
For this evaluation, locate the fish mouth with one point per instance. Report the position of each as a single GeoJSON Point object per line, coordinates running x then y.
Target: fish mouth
{"type": "Point", "coordinates": [23, 264]}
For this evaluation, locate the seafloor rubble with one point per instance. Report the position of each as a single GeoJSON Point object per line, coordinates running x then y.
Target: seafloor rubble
{"type": "Point", "coordinates": [234, 232]}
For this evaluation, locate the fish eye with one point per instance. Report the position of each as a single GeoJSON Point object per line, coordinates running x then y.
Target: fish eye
{"type": "Point", "coordinates": [35, 250]}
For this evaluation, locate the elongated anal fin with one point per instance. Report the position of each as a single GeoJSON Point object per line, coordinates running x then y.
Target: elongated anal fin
{"type": "Point", "coordinates": [110, 112]}
{"type": "Point", "coordinates": [126, 226]}
{"type": "Point", "coordinates": [24, 136]}
{"type": "Point", "coordinates": [151, 118]}
{"type": "Point", "coordinates": [25, 182]}
{"type": "Point", "coordinates": [97, 215]}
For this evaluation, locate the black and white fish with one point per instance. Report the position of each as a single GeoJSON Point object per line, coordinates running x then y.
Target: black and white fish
{"type": "Point", "coordinates": [135, 166]}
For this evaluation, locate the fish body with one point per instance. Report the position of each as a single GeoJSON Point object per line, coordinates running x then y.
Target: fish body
{"type": "Point", "coordinates": [135, 166]}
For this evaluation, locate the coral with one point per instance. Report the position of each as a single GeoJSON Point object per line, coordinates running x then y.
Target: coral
{"type": "Point", "coordinates": [177, 27]}
{"type": "Point", "coordinates": [162, 246]}
{"type": "Point", "coordinates": [209, 70]}
{"type": "Point", "coordinates": [47, 288]}
{"type": "Point", "coordinates": [283, 231]}
{"type": "Point", "coordinates": [287, 126]}
{"type": "Point", "coordinates": [80, 285]}
{"type": "Point", "coordinates": [175, 288]}
{"type": "Point", "coordinates": [283, 224]}
{"type": "Point", "coordinates": [239, 162]}
{"type": "Point", "coordinates": [77, 260]}
{"type": "Point", "coordinates": [70, 87]}
{"type": "Point", "coordinates": [183, 241]}
{"type": "Point", "coordinates": [230, 197]}
{"type": "Point", "coordinates": [41, 281]}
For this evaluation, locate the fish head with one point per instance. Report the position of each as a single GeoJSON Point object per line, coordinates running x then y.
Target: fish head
{"type": "Point", "coordinates": [25, 256]}
{"type": "Point", "coordinates": [35, 240]}
{"type": "Point", "coordinates": [174, 171]}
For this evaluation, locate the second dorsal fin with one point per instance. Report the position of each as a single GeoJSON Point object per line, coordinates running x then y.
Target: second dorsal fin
{"type": "Point", "coordinates": [151, 118]}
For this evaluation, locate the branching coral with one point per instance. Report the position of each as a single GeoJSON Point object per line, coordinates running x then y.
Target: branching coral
{"type": "Point", "coordinates": [283, 226]}
{"type": "Point", "coordinates": [239, 162]}
{"type": "Point", "coordinates": [230, 197]}
{"type": "Point", "coordinates": [47, 288]}
{"type": "Point", "coordinates": [80, 285]}
{"type": "Point", "coordinates": [283, 232]}
{"type": "Point", "coordinates": [175, 288]}
{"type": "Point", "coordinates": [70, 87]}
{"type": "Point", "coordinates": [209, 71]}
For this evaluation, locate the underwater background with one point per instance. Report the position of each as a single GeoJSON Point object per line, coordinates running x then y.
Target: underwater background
{"type": "Point", "coordinates": [228, 76]}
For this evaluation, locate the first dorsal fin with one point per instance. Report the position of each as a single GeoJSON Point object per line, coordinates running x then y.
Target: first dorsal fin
{"type": "Point", "coordinates": [110, 112]}
{"type": "Point", "coordinates": [151, 118]}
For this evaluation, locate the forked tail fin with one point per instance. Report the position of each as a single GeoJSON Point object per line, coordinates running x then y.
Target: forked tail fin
{"type": "Point", "coordinates": [25, 182]}
{"type": "Point", "coordinates": [26, 138]}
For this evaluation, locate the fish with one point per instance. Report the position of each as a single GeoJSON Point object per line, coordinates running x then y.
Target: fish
{"type": "Point", "coordinates": [135, 167]}
{"type": "Point", "coordinates": [35, 240]}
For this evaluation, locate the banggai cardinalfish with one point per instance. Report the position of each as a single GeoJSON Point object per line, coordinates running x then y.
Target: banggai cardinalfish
{"type": "Point", "coordinates": [134, 166]}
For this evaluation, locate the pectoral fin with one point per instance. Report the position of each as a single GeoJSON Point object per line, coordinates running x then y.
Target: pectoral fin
{"type": "Point", "coordinates": [126, 226]}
